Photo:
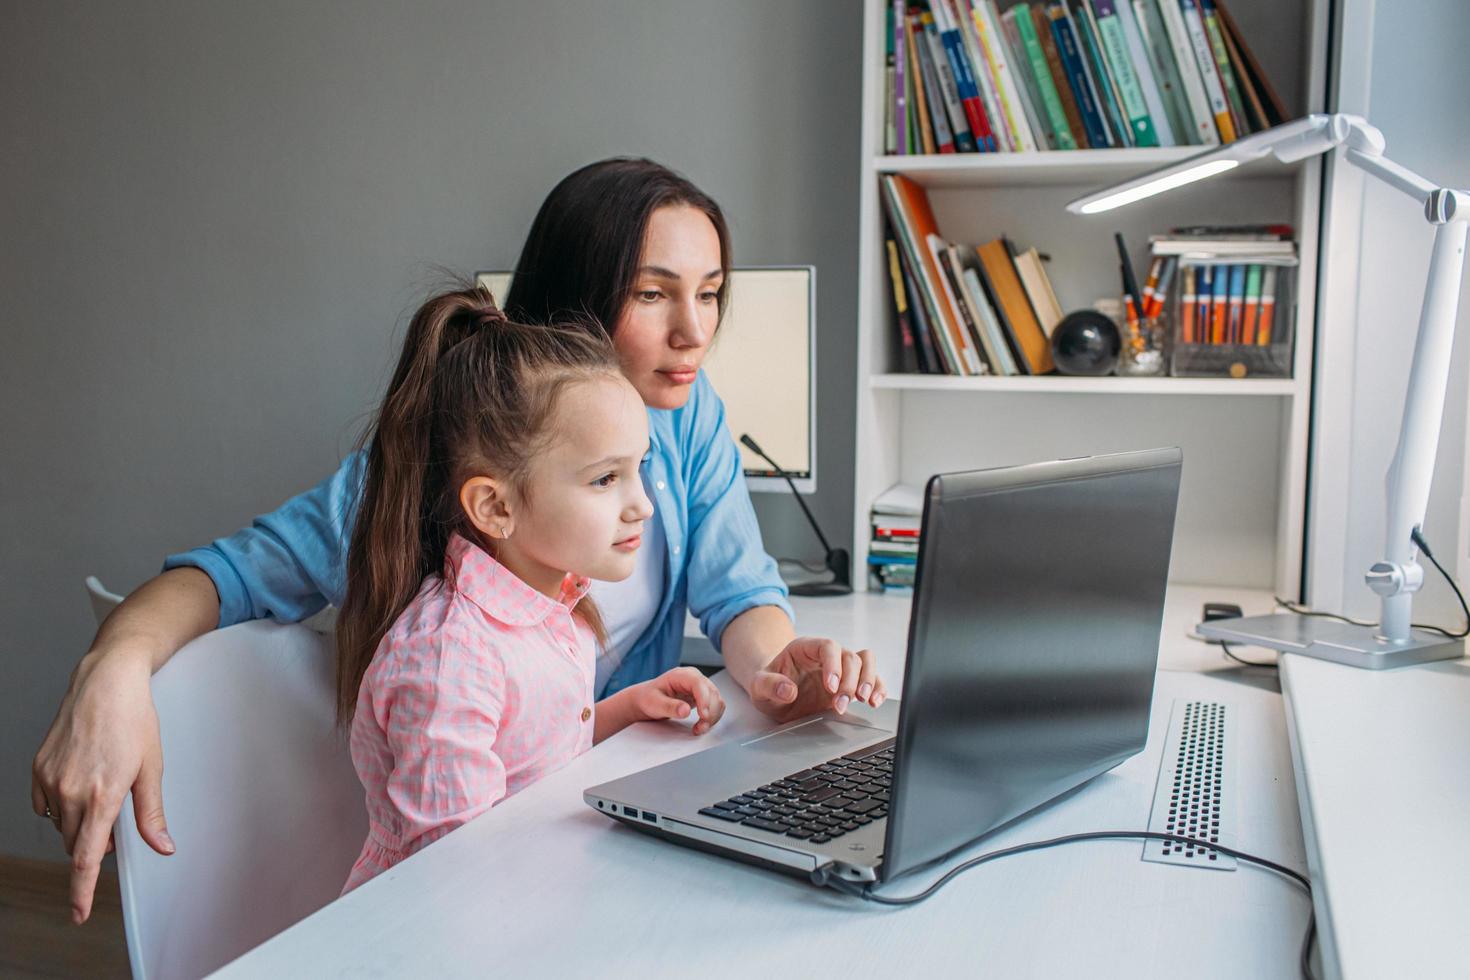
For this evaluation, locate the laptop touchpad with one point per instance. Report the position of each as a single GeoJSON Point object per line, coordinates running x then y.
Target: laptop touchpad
{"type": "Point", "coordinates": [840, 733]}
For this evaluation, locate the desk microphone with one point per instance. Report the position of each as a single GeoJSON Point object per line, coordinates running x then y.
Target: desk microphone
{"type": "Point", "coordinates": [839, 562]}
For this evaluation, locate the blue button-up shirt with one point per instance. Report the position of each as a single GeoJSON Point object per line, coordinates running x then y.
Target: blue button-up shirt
{"type": "Point", "coordinates": [292, 562]}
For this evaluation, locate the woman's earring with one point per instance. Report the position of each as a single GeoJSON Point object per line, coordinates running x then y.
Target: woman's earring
{"type": "Point", "coordinates": [505, 530]}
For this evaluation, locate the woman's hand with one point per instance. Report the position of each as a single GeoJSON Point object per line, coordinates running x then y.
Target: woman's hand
{"type": "Point", "coordinates": [813, 674]}
{"type": "Point", "coordinates": [673, 695]}
{"type": "Point", "coordinates": [103, 743]}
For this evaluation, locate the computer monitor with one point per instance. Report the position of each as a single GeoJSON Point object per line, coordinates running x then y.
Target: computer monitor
{"type": "Point", "coordinates": [763, 364]}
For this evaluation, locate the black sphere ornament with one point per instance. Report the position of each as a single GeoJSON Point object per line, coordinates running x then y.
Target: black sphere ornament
{"type": "Point", "coordinates": [1086, 342]}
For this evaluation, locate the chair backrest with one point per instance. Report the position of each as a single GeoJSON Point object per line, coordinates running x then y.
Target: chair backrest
{"type": "Point", "coordinates": [261, 797]}
{"type": "Point", "coordinates": [103, 602]}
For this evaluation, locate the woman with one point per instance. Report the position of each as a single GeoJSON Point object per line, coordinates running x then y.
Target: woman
{"type": "Point", "coordinates": [639, 248]}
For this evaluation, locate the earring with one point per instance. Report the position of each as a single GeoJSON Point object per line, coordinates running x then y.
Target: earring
{"type": "Point", "coordinates": [505, 530]}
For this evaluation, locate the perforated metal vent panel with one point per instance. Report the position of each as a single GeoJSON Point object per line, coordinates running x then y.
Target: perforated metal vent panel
{"type": "Point", "coordinates": [1195, 794]}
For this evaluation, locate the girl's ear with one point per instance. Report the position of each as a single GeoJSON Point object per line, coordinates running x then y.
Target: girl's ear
{"type": "Point", "coordinates": [485, 503]}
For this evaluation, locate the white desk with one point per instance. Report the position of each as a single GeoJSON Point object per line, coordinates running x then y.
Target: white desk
{"type": "Point", "coordinates": [1385, 792]}
{"type": "Point", "coordinates": [542, 885]}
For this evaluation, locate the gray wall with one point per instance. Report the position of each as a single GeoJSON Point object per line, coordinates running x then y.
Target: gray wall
{"type": "Point", "coordinates": [216, 216]}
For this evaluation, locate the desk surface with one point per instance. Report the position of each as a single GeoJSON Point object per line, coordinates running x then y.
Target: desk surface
{"type": "Point", "coordinates": [544, 885]}
{"type": "Point", "coordinates": [1385, 795]}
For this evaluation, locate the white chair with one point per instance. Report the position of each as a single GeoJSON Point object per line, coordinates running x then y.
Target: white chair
{"type": "Point", "coordinates": [103, 602]}
{"type": "Point", "coordinates": [261, 799]}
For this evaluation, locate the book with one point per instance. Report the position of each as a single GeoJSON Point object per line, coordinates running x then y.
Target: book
{"type": "Point", "coordinates": [969, 94]}
{"type": "Point", "coordinates": [987, 27]}
{"type": "Point", "coordinates": [899, 52]}
{"type": "Point", "coordinates": [980, 71]}
{"type": "Point", "coordinates": [1013, 308]}
{"type": "Point", "coordinates": [1268, 306]}
{"type": "Point", "coordinates": [890, 94]}
{"type": "Point", "coordinates": [1043, 298]}
{"type": "Point", "coordinates": [992, 335]}
{"type": "Point", "coordinates": [949, 96]}
{"type": "Point", "coordinates": [1252, 100]}
{"type": "Point", "coordinates": [1028, 94]}
{"type": "Point", "coordinates": [1171, 83]}
{"type": "Point", "coordinates": [908, 350]}
{"type": "Point", "coordinates": [937, 137]}
{"type": "Point", "coordinates": [1120, 69]}
{"type": "Point", "coordinates": [901, 498]}
{"type": "Point", "coordinates": [1107, 92]}
{"type": "Point", "coordinates": [1153, 96]}
{"type": "Point", "coordinates": [974, 356]}
{"type": "Point", "coordinates": [1200, 115]}
{"type": "Point", "coordinates": [930, 359]}
{"type": "Point", "coordinates": [1276, 113]}
{"type": "Point", "coordinates": [911, 218]}
{"type": "Point", "coordinates": [918, 90]}
{"type": "Point", "coordinates": [1204, 60]}
{"type": "Point", "coordinates": [1069, 48]}
{"type": "Point", "coordinates": [1041, 79]}
{"type": "Point", "coordinates": [1222, 64]}
{"type": "Point", "coordinates": [1053, 59]}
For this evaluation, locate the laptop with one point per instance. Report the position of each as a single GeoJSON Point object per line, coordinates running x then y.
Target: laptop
{"type": "Point", "coordinates": [1033, 643]}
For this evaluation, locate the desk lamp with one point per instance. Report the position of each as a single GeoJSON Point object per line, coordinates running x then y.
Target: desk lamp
{"type": "Point", "coordinates": [1395, 579]}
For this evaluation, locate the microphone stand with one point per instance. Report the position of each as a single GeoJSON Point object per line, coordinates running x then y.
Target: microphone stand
{"type": "Point", "coordinates": [839, 563]}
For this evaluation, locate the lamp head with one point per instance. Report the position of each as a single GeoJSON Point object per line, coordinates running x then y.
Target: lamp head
{"type": "Point", "coordinates": [1289, 142]}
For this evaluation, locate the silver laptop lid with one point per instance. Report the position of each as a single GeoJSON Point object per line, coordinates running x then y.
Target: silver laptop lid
{"type": "Point", "coordinates": [1033, 641]}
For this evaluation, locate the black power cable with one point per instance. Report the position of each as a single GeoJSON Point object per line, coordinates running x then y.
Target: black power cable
{"type": "Point", "coordinates": [823, 877]}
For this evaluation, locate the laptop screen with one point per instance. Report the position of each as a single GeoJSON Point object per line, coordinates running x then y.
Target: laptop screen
{"type": "Point", "coordinates": [1033, 641]}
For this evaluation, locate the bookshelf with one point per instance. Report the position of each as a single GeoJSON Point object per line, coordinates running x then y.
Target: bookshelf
{"type": "Point", "coordinates": [1242, 513]}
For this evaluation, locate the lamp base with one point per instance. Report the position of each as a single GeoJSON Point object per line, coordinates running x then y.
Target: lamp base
{"type": "Point", "coordinates": [1330, 639]}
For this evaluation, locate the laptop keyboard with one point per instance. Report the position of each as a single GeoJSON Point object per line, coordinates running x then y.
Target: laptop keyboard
{"type": "Point", "coordinates": [817, 804]}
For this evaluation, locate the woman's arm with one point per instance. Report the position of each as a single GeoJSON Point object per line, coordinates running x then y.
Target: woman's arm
{"type": "Point", "coordinates": [104, 740]}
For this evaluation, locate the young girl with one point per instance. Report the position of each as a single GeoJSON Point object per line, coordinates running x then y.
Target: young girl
{"type": "Point", "coordinates": [503, 474]}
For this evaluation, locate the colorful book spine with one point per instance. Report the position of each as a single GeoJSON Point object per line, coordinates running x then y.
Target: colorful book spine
{"type": "Point", "coordinates": [900, 78]}
{"type": "Point", "coordinates": [1171, 84]}
{"type": "Point", "coordinates": [1268, 305]}
{"type": "Point", "coordinates": [908, 352]}
{"type": "Point", "coordinates": [941, 140]}
{"type": "Point", "coordinates": [1222, 64]}
{"type": "Point", "coordinates": [1204, 60]}
{"type": "Point", "coordinates": [1252, 305]}
{"type": "Point", "coordinates": [1028, 94]}
{"type": "Point", "coordinates": [949, 95]}
{"type": "Point", "coordinates": [1201, 117]}
{"type": "Point", "coordinates": [1051, 102]}
{"type": "Point", "coordinates": [954, 47]}
{"type": "Point", "coordinates": [980, 72]}
{"type": "Point", "coordinates": [890, 97]}
{"type": "Point", "coordinates": [1077, 75]}
{"type": "Point", "coordinates": [965, 344]}
{"type": "Point", "coordinates": [1153, 96]}
{"type": "Point", "coordinates": [1115, 50]}
{"type": "Point", "coordinates": [987, 27]}
{"type": "Point", "coordinates": [1097, 65]}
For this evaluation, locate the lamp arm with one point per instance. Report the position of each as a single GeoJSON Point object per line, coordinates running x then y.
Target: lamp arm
{"type": "Point", "coordinates": [1398, 576]}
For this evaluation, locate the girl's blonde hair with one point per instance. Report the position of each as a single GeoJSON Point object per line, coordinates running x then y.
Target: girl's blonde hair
{"type": "Point", "coordinates": [474, 393]}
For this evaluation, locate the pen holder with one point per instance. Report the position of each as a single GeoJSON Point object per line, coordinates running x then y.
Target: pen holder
{"type": "Point", "coordinates": [1143, 350]}
{"type": "Point", "coordinates": [1233, 319]}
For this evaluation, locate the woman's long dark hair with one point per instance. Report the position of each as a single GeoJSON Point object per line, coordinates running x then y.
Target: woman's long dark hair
{"type": "Point", "coordinates": [473, 394]}
{"type": "Point", "coordinates": [581, 257]}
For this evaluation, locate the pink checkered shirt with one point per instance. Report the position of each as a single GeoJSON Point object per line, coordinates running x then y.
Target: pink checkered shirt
{"type": "Point", "coordinates": [477, 691]}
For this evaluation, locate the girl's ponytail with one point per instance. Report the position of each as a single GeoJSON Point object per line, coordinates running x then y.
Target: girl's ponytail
{"type": "Point", "coordinates": [472, 393]}
{"type": "Point", "coordinates": [386, 561]}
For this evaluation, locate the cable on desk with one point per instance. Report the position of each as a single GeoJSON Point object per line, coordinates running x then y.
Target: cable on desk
{"type": "Point", "coordinates": [1225, 646]}
{"type": "Point", "coordinates": [822, 877]}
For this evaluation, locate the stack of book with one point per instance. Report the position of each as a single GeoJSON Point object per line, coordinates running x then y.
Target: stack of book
{"type": "Point", "coordinates": [962, 77]}
{"type": "Point", "coordinates": [961, 309]}
{"type": "Point", "coordinates": [893, 552]}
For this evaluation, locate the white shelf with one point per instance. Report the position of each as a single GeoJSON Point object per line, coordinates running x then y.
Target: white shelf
{"type": "Point", "coordinates": [1099, 167]}
{"type": "Point", "coordinates": [1056, 384]}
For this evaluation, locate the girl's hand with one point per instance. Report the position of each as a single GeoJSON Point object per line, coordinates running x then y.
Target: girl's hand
{"type": "Point", "coordinates": [671, 695]}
